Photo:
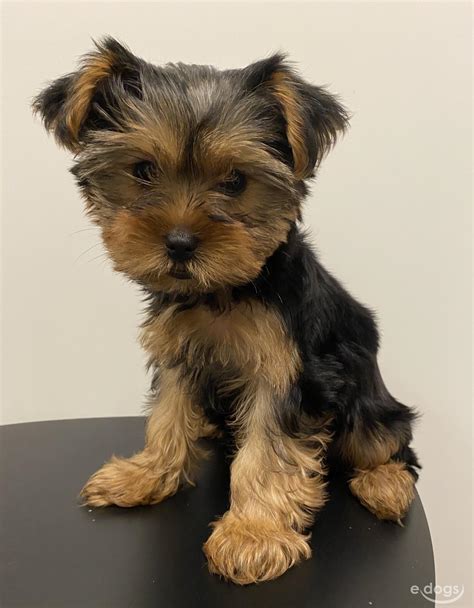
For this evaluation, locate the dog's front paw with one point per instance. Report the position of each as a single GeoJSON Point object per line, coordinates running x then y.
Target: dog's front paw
{"type": "Point", "coordinates": [249, 551]}
{"type": "Point", "coordinates": [127, 482]}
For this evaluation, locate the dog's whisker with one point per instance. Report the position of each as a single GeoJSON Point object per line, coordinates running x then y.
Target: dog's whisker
{"type": "Point", "coordinates": [90, 229]}
{"type": "Point", "coordinates": [87, 251]}
{"type": "Point", "coordinates": [102, 256]}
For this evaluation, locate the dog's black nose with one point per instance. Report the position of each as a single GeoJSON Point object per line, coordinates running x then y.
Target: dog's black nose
{"type": "Point", "coordinates": [181, 244]}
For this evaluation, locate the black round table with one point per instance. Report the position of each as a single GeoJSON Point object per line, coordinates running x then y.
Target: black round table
{"type": "Point", "coordinates": [56, 554]}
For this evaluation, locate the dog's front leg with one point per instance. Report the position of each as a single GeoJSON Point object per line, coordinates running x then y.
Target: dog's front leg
{"type": "Point", "coordinates": [171, 449]}
{"type": "Point", "coordinates": [276, 485]}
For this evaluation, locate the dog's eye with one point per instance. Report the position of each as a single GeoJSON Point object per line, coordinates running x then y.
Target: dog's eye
{"type": "Point", "coordinates": [145, 171]}
{"type": "Point", "coordinates": [234, 184]}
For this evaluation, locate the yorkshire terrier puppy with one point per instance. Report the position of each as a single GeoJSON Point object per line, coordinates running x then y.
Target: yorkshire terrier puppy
{"type": "Point", "coordinates": [196, 177]}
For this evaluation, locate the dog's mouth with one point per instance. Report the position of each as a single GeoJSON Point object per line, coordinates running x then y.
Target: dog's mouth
{"type": "Point", "coordinates": [180, 273]}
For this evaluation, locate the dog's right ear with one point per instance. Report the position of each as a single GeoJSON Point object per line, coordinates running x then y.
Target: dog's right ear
{"type": "Point", "coordinates": [89, 98]}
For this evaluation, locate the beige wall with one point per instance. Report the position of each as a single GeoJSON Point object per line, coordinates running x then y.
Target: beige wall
{"type": "Point", "coordinates": [389, 212]}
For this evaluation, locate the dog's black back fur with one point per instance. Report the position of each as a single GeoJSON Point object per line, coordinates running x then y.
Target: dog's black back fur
{"type": "Point", "coordinates": [338, 341]}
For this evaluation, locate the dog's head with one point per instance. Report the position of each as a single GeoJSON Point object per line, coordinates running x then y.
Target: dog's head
{"type": "Point", "coordinates": [194, 175]}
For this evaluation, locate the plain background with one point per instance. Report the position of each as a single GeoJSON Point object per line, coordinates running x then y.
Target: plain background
{"type": "Point", "coordinates": [389, 212]}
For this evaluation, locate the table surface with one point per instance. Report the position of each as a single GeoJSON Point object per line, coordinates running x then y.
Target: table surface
{"type": "Point", "coordinates": [55, 554]}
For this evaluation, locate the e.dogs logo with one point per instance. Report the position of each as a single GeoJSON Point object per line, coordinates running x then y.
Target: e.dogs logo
{"type": "Point", "coordinates": [441, 594]}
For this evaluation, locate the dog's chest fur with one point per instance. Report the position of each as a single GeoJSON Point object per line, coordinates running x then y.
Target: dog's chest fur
{"type": "Point", "coordinates": [246, 342]}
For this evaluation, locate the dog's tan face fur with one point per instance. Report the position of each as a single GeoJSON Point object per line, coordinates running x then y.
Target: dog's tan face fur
{"type": "Point", "coordinates": [192, 130]}
{"type": "Point", "coordinates": [236, 233]}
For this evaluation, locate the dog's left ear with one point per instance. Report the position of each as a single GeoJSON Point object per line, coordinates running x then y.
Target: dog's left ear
{"type": "Point", "coordinates": [313, 116]}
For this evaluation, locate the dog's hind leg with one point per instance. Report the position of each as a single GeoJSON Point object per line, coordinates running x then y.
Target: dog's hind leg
{"type": "Point", "coordinates": [383, 466]}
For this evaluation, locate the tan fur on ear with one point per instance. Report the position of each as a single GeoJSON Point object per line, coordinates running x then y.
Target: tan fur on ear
{"type": "Point", "coordinates": [96, 67]}
{"type": "Point", "coordinates": [287, 96]}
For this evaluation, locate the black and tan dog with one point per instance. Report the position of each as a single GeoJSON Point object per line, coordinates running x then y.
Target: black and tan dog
{"type": "Point", "coordinates": [196, 178]}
